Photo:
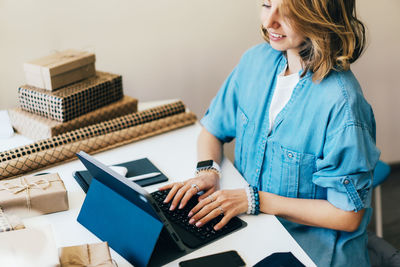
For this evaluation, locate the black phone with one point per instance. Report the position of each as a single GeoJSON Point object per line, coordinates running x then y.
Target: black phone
{"type": "Point", "coordinates": [228, 258]}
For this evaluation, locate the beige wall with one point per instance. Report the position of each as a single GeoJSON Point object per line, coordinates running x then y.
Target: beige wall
{"type": "Point", "coordinates": [378, 71]}
{"type": "Point", "coordinates": [163, 48]}
{"type": "Point", "coordinates": [181, 48]}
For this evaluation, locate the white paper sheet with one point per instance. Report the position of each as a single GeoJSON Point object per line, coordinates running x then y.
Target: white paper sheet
{"type": "Point", "coordinates": [31, 247]}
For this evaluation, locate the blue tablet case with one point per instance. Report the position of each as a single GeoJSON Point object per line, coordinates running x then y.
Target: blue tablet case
{"type": "Point", "coordinates": [129, 230]}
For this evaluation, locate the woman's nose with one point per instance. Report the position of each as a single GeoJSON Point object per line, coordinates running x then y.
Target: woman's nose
{"type": "Point", "coordinates": [272, 20]}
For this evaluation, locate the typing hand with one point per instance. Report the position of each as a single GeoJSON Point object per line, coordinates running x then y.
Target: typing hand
{"type": "Point", "coordinates": [181, 192]}
{"type": "Point", "coordinates": [227, 202]}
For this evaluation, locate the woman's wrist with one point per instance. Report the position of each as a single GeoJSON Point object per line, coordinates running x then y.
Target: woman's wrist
{"type": "Point", "coordinates": [267, 201]}
{"type": "Point", "coordinates": [210, 172]}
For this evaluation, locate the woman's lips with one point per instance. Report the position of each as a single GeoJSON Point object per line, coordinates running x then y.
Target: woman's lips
{"type": "Point", "coordinates": [276, 36]}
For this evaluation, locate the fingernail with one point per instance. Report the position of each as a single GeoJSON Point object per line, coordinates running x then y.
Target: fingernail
{"type": "Point", "coordinates": [165, 201]}
{"type": "Point", "coordinates": [172, 207]}
{"type": "Point", "coordinates": [216, 228]}
{"type": "Point", "coordinates": [198, 224]}
{"type": "Point", "coordinates": [180, 206]}
{"type": "Point", "coordinates": [191, 221]}
{"type": "Point", "coordinates": [190, 214]}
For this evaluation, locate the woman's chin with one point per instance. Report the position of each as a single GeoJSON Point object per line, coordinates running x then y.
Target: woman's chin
{"type": "Point", "coordinates": [278, 47]}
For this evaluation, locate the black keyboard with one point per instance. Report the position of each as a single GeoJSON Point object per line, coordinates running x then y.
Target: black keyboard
{"type": "Point", "coordinates": [179, 219]}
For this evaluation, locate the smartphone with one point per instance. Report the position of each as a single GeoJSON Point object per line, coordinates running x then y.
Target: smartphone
{"type": "Point", "coordinates": [228, 258]}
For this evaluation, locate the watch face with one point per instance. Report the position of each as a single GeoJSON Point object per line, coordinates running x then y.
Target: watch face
{"type": "Point", "coordinates": [205, 163]}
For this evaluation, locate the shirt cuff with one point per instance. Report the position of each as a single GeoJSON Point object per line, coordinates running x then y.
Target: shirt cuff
{"type": "Point", "coordinates": [352, 199]}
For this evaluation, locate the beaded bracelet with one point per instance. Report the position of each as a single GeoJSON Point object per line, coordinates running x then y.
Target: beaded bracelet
{"type": "Point", "coordinates": [257, 201]}
{"type": "Point", "coordinates": [249, 194]}
{"type": "Point", "coordinates": [253, 200]}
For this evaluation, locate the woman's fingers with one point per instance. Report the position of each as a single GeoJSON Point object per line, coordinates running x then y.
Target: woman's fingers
{"type": "Point", "coordinates": [207, 215]}
{"type": "Point", "coordinates": [191, 188]}
{"type": "Point", "coordinates": [207, 194]}
{"type": "Point", "coordinates": [165, 187]}
{"type": "Point", "coordinates": [227, 217]}
{"type": "Point", "coordinates": [178, 196]}
{"type": "Point", "coordinates": [205, 201]}
{"type": "Point", "coordinates": [174, 188]}
{"type": "Point", "coordinates": [226, 202]}
{"type": "Point", "coordinates": [188, 195]}
{"type": "Point", "coordinates": [181, 192]}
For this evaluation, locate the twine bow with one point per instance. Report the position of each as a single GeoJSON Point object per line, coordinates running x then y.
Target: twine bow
{"type": "Point", "coordinates": [24, 185]}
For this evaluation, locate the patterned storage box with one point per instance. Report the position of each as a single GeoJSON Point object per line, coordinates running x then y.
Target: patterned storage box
{"type": "Point", "coordinates": [74, 100]}
{"type": "Point", "coordinates": [37, 127]}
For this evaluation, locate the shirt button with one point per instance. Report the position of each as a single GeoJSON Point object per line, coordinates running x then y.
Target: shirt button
{"type": "Point", "coordinates": [346, 181]}
{"type": "Point", "coordinates": [257, 170]}
{"type": "Point", "coordinates": [290, 155]}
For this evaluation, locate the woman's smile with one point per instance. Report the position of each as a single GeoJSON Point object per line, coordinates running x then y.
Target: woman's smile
{"type": "Point", "coordinates": [276, 37]}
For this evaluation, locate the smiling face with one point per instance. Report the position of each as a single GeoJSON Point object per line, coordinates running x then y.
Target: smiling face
{"type": "Point", "coordinates": [281, 35]}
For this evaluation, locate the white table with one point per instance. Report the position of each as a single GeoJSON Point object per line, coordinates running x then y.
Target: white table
{"type": "Point", "coordinates": [175, 154]}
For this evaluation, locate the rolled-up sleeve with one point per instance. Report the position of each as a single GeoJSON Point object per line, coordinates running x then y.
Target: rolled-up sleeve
{"type": "Point", "coordinates": [220, 118]}
{"type": "Point", "coordinates": [346, 168]}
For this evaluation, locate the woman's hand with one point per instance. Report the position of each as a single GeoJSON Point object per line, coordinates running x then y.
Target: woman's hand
{"type": "Point", "coordinates": [227, 202]}
{"type": "Point", "coordinates": [183, 191]}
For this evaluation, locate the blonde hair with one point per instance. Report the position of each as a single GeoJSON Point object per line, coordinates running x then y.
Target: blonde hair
{"type": "Point", "coordinates": [334, 37]}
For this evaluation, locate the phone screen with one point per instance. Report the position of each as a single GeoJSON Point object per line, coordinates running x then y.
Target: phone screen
{"type": "Point", "coordinates": [228, 258]}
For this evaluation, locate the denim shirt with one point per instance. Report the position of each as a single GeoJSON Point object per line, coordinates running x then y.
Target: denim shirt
{"type": "Point", "coordinates": [322, 146]}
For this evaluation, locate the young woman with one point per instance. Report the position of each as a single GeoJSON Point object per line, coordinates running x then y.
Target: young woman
{"type": "Point", "coordinates": [305, 135]}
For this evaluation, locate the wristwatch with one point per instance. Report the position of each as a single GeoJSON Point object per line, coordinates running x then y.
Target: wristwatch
{"type": "Point", "coordinates": [208, 165]}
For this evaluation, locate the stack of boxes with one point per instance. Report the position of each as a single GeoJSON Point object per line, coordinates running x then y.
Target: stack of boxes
{"type": "Point", "coordinates": [65, 92]}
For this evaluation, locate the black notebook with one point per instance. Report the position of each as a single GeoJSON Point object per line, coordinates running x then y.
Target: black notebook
{"type": "Point", "coordinates": [135, 167]}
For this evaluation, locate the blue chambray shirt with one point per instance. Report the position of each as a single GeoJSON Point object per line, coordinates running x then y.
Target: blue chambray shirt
{"type": "Point", "coordinates": [322, 146]}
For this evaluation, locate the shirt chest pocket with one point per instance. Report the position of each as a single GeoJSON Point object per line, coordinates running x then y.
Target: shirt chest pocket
{"type": "Point", "coordinates": [291, 172]}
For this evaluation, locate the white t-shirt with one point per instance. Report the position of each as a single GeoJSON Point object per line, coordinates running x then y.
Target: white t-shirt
{"type": "Point", "coordinates": [283, 91]}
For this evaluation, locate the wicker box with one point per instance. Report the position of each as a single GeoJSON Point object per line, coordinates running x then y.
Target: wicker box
{"type": "Point", "coordinates": [74, 100]}
{"type": "Point", "coordinates": [60, 69]}
{"type": "Point", "coordinates": [37, 127]}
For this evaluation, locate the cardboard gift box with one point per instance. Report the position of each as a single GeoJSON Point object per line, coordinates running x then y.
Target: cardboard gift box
{"type": "Point", "coordinates": [86, 255]}
{"type": "Point", "coordinates": [73, 100]}
{"type": "Point", "coordinates": [37, 127]}
{"type": "Point", "coordinates": [33, 195]}
{"type": "Point", "coordinates": [60, 69]}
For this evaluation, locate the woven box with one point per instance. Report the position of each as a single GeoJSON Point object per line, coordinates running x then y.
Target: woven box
{"type": "Point", "coordinates": [74, 100]}
{"type": "Point", "coordinates": [59, 69]}
{"type": "Point", "coordinates": [37, 127]}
